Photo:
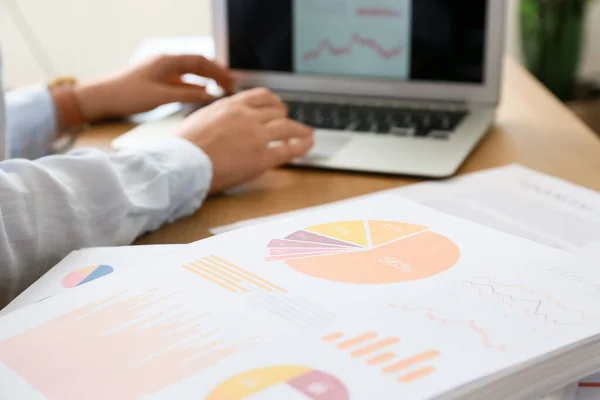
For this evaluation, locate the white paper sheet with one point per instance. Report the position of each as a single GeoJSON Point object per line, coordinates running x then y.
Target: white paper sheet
{"type": "Point", "coordinates": [515, 200]}
{"type": "Point", "coordinates": [179, 327]}
{"type": "Point", "coordinates": [512, 199]}
{"type": "Point", "coordinates": [80, 266]}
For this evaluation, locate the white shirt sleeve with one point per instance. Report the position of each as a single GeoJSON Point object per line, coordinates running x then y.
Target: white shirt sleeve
{"type": "Point", "coordinates": [88, 198]}
{"type": "Point", "coordinates": [31, 123]}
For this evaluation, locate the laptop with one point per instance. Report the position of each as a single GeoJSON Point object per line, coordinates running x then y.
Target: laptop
{"type": "Point", "coordinates": [391, 86]}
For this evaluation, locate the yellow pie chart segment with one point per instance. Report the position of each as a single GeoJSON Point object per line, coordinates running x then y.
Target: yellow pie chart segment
{"type": "Point", "coordinates": [385, 231]}
{"type": "Point", "coordinates": [348, 231]}
{"type": "Point", "coordinates": [281, 382]}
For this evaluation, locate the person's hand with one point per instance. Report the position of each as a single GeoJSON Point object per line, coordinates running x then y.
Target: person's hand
{"type": "Point", "coordinates": [244, 135]}
{"type": "Point", "coordinates": [149, 85]}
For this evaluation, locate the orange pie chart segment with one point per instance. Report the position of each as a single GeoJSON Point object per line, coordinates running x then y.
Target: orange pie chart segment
{"type": "Point", "coordinates": [348, 231]}
{"type": "Point", "coordinates": [385, 231]}
{"type": "Point", "coordinates": [414, 257]}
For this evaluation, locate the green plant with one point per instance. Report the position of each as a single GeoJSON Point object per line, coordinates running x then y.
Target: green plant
{"type": "Point", "coordinates": [552, 36]}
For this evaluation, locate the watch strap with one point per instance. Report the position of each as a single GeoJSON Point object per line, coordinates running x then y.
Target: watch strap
{"type": "Point", "coordinates": [68, 111]}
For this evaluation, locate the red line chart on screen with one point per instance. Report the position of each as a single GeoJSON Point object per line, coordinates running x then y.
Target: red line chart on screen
{"type": "Point", "coordinates": [357, 40]}
{"type": "Point", "coordinates": [378, 12]}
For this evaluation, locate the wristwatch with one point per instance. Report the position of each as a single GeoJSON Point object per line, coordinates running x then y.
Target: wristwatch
{"type": "Point", "coordinates": [71, 121]}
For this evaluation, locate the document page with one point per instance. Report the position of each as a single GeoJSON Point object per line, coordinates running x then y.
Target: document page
{"type": "Point", "coordinates": [82, 267]}
{"type": "Point", "coordinates": [521, 202]}
{"type": "Point", "coordinates": [177, 327]}
{"type": "Point", "coordinates": [512, 199]}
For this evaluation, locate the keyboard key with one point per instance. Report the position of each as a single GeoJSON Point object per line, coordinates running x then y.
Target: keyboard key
{"type": "Point", "coordinates": [441, 135]}
{"type": "Point", "coordinates": [383, 127]}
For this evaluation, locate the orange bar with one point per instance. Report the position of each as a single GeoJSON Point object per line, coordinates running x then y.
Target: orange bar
{"type": "Point", "coordinates": [250, 277]}
{"type": "Point", "coordinates": [357, 340]}
{"type": "Point", "coordinates": [381, 358]}
{"type": "Point", "coordinates": [206, 270]}
{"type": "Point", "coordinates": [418, 374]}
{"type": "Point", "coordinates": [411, 361]}
{"type": "Point", "coordinates": [208, 278]}
{"type": "Point", "coordinates": [333, 336]}
{"type": "Point", "coordinates": [216, 269]}
{"type": "Point", "coordinates": [374, 347]}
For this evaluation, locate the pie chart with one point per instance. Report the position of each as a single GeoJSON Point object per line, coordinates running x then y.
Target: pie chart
{"type": "Point", "coordinates": [366, 252]}
{"type": "Point", "coordinates": [281, 382]}
{"type": "Point", "coordinates": [85, 275]}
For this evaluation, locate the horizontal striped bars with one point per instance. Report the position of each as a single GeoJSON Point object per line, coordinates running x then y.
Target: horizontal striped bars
{"type": "Point", "coordinates": [384, 358]}
{"type": "Point", "coordinates": [375, 347]}
{"type": "Point", "coordinates": [229, 276]}
{"type": "Point", "coordinates": [409, 362]}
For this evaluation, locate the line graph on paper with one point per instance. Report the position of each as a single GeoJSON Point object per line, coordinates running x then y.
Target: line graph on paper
{"type": "Point", "coordinates": [353, 37]}
{"type": "Point", "coordinates": [472, 325]}
{"type": "Point", "coordinates": [541, 307]}
{"type": "Point", "coordinates": [501, 317]}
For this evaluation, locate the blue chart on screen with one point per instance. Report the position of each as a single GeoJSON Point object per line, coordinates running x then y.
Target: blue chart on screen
{"type": "Point", "coordinates": [353, 37]}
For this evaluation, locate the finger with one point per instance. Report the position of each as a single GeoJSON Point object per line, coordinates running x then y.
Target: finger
{"type": "Point", "coordinates": [197, 65]}
{"type": "Point", "coordinates": [270, 114]}
{"type": "Point", "coordinates": [285, 129]}
{"type": "Point", "coordinates": [188, 93]}
{"type": "Point", "coordinates": [288, 151]}
{"type": "Point", "coordinates": [260, 97]}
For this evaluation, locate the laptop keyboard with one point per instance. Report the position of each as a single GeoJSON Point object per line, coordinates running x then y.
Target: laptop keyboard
{"type": "Point", "coordinates": [438, 124]}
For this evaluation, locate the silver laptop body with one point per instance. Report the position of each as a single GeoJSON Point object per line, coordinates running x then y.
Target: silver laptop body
{"type": "Point", "coordinates": [391, 86]}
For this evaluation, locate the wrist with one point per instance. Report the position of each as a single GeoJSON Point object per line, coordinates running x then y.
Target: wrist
{"type": "Point", "coordinates": [93, 101]}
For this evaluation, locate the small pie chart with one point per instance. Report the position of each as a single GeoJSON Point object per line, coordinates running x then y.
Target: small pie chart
{"type": "Point", "coordinates": [366, 252]}
{"type": "Point", "coordinates": [85, 275]}
{"type": "Point", "coordinates": [281, 382]}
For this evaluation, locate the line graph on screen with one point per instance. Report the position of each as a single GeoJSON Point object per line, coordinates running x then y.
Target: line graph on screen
{"type": "Point", "coordinates": [326, 46]}
{"type": "Point", "coordinates": [378, 12]}
{"type": "Point", "coordinates": [353, 37]}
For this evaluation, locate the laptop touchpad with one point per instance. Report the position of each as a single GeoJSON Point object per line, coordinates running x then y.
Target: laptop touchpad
{"type": "Point", "coordinates": [327, 144]}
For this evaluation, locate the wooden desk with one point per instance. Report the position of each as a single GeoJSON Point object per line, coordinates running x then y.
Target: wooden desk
{"type": "Point", "coordinates": [533, 128]}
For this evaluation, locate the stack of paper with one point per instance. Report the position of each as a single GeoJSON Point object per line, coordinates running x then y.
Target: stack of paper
{"type": "Point", "coordinates": [82, 267]}
{"type": "Point", "coordinates": [375, 298]}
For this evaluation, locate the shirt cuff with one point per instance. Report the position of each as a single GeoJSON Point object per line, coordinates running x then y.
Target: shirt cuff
{"type": "Point", "coordinates": [31, 122]}
{"type": "Point", "coordinates": [191, 173]}
{"type": "Point", "coordinates": [188, 169]}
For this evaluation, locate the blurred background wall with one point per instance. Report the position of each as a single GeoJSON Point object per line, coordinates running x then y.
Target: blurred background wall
{"type": "Point", "coordinates": [91, 37]}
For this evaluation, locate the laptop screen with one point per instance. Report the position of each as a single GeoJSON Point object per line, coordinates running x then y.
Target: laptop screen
{"type": "Point", "coordinates": [420, 40]}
